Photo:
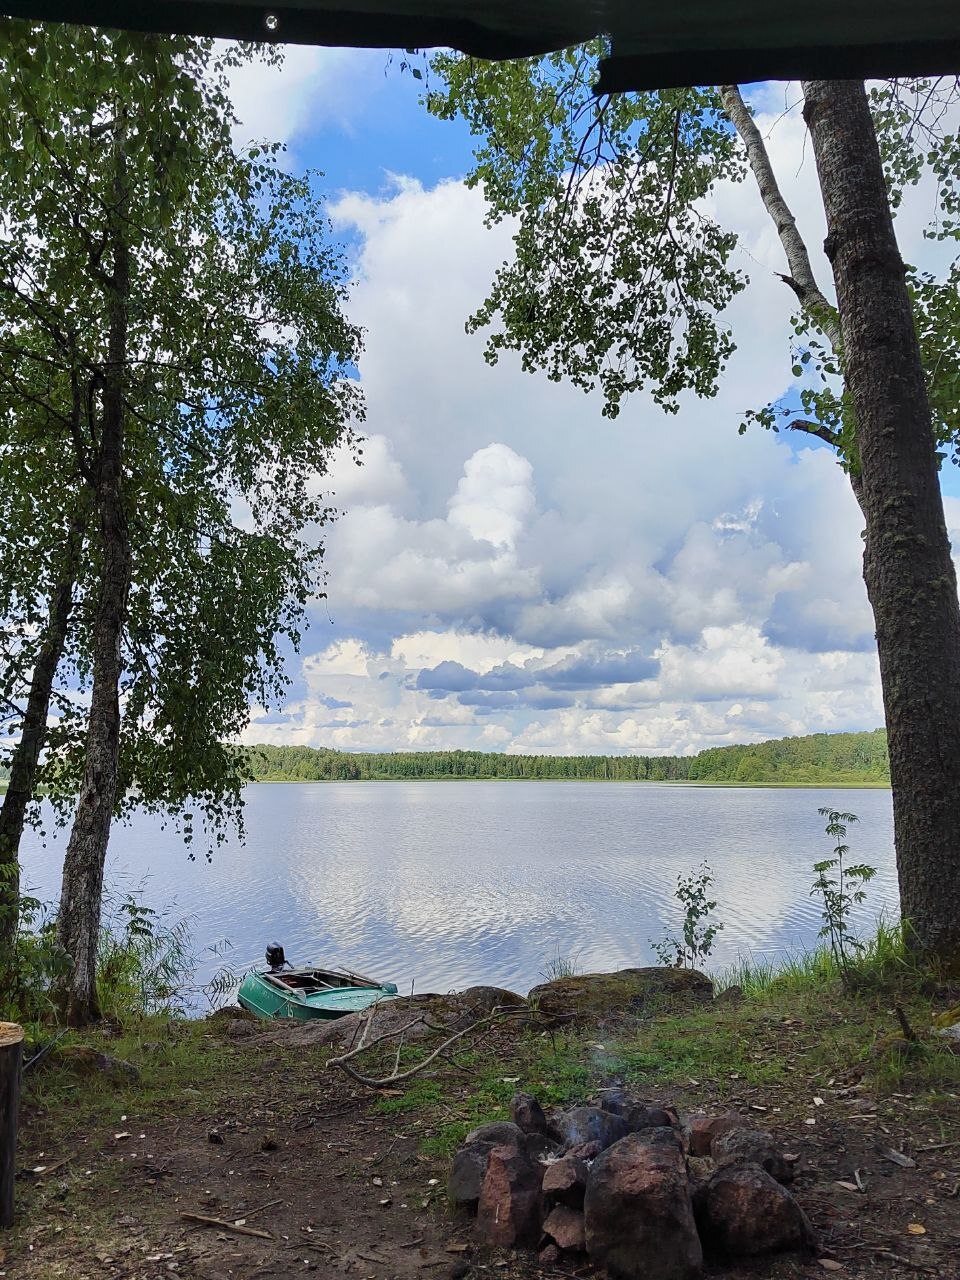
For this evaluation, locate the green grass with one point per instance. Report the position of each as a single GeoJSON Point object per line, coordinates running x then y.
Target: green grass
{"type": "Point", "coordinates": [180, 1064]}
{"type": "Point", "coordinates": [883, 961]}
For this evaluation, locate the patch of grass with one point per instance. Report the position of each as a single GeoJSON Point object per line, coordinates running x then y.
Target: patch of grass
{"type": "Point", "coordinates": [700, 1046]}
{"type": "Point", "coordinates": [882, 962]}
{"type": "Point", "coordinates": [560, 966]}
{"type": "Point", "coordinates": [420, 1093]}
{"type": "Point", "coordinates": [554, 1068]}
{"type": "Point", "coordinates": [170, 1055]}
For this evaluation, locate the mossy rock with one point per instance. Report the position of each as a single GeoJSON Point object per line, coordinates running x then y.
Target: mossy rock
{"type": "Point", "coordinates": [592, 996]}
{"type": "Point", "coordinates": [85, 1061]}
{"type": "Point", "coordinates": [229, 1013]}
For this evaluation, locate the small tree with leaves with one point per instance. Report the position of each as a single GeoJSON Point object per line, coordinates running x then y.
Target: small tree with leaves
{"type": "Point", "coordinates": [695, 941]}
{"type": "Point", "coordinates": [840, 888]}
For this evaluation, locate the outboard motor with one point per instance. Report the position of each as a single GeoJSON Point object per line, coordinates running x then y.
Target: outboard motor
{"type": "Point", "coordinates": [275, 957]}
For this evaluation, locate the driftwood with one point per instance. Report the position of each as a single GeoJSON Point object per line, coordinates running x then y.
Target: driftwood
{"type": "Point", "coordinates": [11, 1054]}
{"type": "Point", "coordinates": [344, 1060]}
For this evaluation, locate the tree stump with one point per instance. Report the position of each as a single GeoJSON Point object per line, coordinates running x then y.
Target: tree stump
{"type": "Point", "coordinates": [11, 1051]}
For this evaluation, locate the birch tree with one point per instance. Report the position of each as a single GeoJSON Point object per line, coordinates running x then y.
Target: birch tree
{"type": "Point", "coordinates": [173, 309]}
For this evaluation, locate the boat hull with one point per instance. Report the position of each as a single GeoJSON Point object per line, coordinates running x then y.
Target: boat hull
{"type": "Point", "coordinates": [266, 999]}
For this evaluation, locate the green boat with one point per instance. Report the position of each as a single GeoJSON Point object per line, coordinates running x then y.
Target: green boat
{"type": "Point", "coordinates": [281, 991]}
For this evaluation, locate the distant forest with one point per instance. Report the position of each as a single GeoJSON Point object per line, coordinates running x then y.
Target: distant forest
{"type": "Point", "coordinates": [819, 757]}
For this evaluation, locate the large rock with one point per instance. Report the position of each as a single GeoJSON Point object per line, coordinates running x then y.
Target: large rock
{"type": "Point", "coordinates": [638, 1216]}
{"type": "Point", "coordinates": [589, 1124]}
{"type": "Point", "coordinates": [510, 1208]}
{"type": "Point", "coordinates": [699, 1131]}
{"type": "Point", "coordinates": [637, 1114]}
{"type": "Point", "coordinates": [742, 1210]}
{"type": "Point", "coordinates": [478, 1001]}
{"type": "Point", "coordinates": [470, 1162]}
{"type": "Point", "coordinates": [565, 1181]}
{"type": "Point", "coordinates": [416, 1016]}
{"type": "Point", "coordinates": [499, 1133]}
{"type": "Point", "coordinates": [527, 1113]}
{"type": "Point", "coordinates": [752, 1146]}
{"type": "Point", "coordinates": [594, 996]}
{"type": "Point", "coordinates": [565, 1228]}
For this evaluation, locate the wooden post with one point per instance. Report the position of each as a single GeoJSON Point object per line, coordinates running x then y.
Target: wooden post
{"type": "Point", "coordinates": [11, 1051]}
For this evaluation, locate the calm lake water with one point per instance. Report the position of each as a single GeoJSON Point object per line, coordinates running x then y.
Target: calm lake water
{"type": "Point", "coordinates": [448, 884]}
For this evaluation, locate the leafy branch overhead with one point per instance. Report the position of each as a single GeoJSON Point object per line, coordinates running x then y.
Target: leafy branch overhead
{"type": "Point", "coordinates": [236, 388]}
{"type": "Point", "coordinates": [621, 273]}
{"type": "Point", "coordinates": [619, 277]}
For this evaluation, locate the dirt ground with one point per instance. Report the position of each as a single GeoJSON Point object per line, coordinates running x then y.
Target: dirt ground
{"type": "Point", "coordinates": [278, 1144]}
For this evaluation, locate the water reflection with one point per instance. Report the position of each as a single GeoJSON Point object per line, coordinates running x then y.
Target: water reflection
{"type": "Point", "coordinates": [447, 884]}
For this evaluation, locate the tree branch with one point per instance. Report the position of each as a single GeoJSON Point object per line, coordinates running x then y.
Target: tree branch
{"type": "Point", "coordinates": [801, 278]}
{"type": "Point", "coordinates": [344, 1060]}
{"type": "Point", "coordinates": [832, 438]}
{"type": "Point", "coordinates": [826, 434]}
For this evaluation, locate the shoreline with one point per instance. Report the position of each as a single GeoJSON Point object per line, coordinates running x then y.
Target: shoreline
{"type": "Point", "coordinates": [620, 782]}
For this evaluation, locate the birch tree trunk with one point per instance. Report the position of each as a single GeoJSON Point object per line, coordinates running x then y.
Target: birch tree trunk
{"type": "Point", "coordinates": [908, 567]}
{"type": "Point", "coordinates": [78, 920]}
{"type": "Point", "coordinates": [26, 757]}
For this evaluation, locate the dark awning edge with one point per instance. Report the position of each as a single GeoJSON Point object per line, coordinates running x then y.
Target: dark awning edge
{"type": "Point", "coordinates": [648, 71]}
{"type": "Point", "coordinates": [337, 28]}
{"type": "Point", "coordinates": [559, 26]}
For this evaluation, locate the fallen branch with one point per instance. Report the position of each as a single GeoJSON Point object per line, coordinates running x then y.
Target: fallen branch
{"type": "Point", "coordinates": [204, 1221]}
{"type": "Point", "coordinates": [344, 1060]}
{"type": "Point", "coordinates": [271, 1204]}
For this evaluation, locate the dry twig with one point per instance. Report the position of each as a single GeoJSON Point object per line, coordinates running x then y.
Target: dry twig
{"type": "Point", "coordinates": [344, 1060]}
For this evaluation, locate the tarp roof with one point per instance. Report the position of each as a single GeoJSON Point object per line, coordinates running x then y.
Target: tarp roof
{"type": "Point", "coordinates": [654, 43]}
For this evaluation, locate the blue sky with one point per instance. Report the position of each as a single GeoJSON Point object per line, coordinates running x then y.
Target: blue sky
{"type": "Point", "coordinates": [514, 572]}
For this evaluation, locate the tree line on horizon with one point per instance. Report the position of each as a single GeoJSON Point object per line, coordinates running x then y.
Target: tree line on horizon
{"type": "Point", "coordinates": [818, 757]}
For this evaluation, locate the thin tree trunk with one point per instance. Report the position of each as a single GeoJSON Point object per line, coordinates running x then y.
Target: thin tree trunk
{"type": "Point", "coordinates": [908, 567]}
{"type": "Point", "coordinates": [26, 756]}
{"type": "Point", "coordinates": [78, 921]}
{"type": "Point", "coordinates": [801, 278]}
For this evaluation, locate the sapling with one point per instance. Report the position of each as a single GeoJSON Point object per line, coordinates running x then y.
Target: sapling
{"type": "Point", "coordinates": [840, 888]}
{"type": "Point", "coordinates": [695, 942]}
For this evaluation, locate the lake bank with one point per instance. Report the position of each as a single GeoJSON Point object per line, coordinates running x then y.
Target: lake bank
{"type": "Point", "coordinates": [624, 782]}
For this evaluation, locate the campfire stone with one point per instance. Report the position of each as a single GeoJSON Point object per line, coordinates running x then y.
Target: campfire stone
{"type": "Point", "coordinates": [638, 1214]}
{"type": "Point", "coordinates": [509, 1211]}
{"type": "Point", "coordinates": [566, 1228]}
{"type": "Point", "coordinates": [743, 1211]}
{"type": "Point", "coordinates": [501, 1133]}
{"type": "Point", "coordinates": [565, 1180]}
{"type": "Point", "coordinates": [527, 1113]}
{"type": "Point", "coordinates": [470, 1162]}
{"type": "Point", "coordinates": [637, 1115]}
{"type": "Point", "coordinates": [466, 1175]}
{"type": "Point", "coordinates": [752, 1146]}
{"type": "Point", "coordinates": [700, 1130]}
{"type": "Point", "coordinates": [590, 1124]}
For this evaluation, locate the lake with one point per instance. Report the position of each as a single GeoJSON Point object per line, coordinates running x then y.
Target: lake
{"type": "Point", "coordinates": [449, 884]}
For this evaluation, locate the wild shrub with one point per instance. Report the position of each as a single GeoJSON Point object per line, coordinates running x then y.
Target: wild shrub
{"type": "Point", "coordinates": [691, 947]}
{"type": "Point", "coordinates": [145, 962]}
{"type": "Point", "coordinates": [840, 887]}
